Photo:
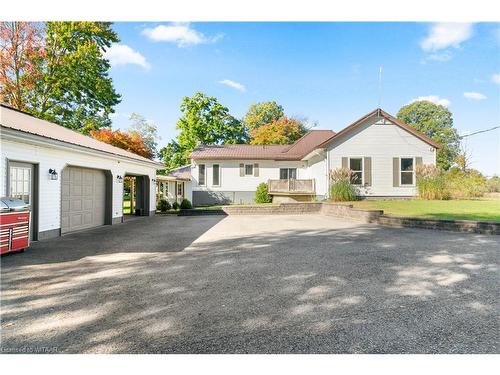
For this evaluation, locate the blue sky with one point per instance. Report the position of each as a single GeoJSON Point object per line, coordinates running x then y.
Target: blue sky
{"type": "Point", "coordinates": [326, 72]}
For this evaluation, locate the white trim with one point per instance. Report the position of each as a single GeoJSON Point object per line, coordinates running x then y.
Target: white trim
{"type": "Point", "coordinates": [413, 184]}
{"type": "Point", "coordinates": [205, 177]}
{"type": "Point", "coordinates": [362, 168]}
{"type": "Point", "coordinates": [220, 174]}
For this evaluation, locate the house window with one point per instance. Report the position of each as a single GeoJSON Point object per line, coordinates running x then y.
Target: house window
{"type": "Point", "coordinates": [201, 174]}
{"type": "Point", "coordinates": [356, 166]}
{"type": "Point", "coordinates": [215, 175]}
{"type": "Point", "coordinates": [407, 170]}
{"type": "Point", "coordinates": [288, 173]}
{"type": "Point", "coordinates": [248, 169]}
{"type": "Point", "coordinates": [180, 186]}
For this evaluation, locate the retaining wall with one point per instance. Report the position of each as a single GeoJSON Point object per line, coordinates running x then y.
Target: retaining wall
{"type": "Point", "coordinates": [283, 209]}
{"type": "Point", "coordinates": [347, 211]}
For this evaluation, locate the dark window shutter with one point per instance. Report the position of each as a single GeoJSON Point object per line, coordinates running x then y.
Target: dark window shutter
{"type": "Point", "coordinates": [256, 170]}
{"type": "Point", "coordinates": [367, 170]}
{"type": "Point", "coordinates": [418, 161]}
{"type": "Point", "coordinates": [344, 162]}
{"type": "Point", "coordinates": [242, 170]}
{"type": "Point", "coordinates": [395, 172]}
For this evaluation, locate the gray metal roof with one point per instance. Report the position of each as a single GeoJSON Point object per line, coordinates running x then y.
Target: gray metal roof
{"type": "Point", "coordinates": [12, 118]}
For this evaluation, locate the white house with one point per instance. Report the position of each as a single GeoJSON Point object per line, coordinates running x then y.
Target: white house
{"type": "Point", "coordinates": [70, 180]}
{"type": "Point", "coordinates": [381, 150]}
{"type": "Point", "coordinates": [175, 186]}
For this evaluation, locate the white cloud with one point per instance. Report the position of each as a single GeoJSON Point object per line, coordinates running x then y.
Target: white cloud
{"type": "Point", "coordinates": [496, 78]}
{"type": "Point", "coordinates": [234, 85]}
{"type": "Point", "coordinates": [180, 33]}
{"type": "Point", "coordinates": [121, 54]}
{"type": "Point", "coordinates": [433, 99]}
{"type": "Point", "coordinates": [474, 95]}
{"type": "Point", "coordinates": [445, 35]}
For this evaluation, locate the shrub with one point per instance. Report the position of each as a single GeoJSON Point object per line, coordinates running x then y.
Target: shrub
{"type": "Point", "coordinates": [341, 189]}
{"type": "Point", "coordinates": [262, 195]}
{"type": "Point", "coordinates": [186, 204]}
{"type": "Point", "coordinates": [431, 183]}
{"type": "Point", "coordinates": [469, 184]}
{"type": "Point", "coordinates": [175, 205]}
{"type": "Point", "coordinates": [493, 184]}
{"type": "Point", "coordinates": [163, 205]}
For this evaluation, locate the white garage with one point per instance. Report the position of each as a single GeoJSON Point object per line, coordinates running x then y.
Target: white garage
{"type": "Point", "coordinates": [71, 181]}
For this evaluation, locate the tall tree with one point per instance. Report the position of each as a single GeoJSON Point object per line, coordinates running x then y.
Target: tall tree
{"type": "Point", "coordinates": [264, 113]}
{"type": "Point", "coordinates": [146, 129]}
{"type": "Point", "coordinates": [436, 121]}
{"type": "Point", "coordinates": [278, 132]}
{"type": "Point", "coordinates": [73, 87]}
{"type": "Point", "coordinates": [21, 57]}
{"type": "Point", "coordinates": [204, 121]}
{"type": "Point", "coordinates": [129, 141]}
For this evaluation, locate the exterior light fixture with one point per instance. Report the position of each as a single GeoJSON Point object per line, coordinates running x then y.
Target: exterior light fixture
{"type": "Point", "coordinates": [53, 174]}
{"type": "Point", "coordinates": [119, 179]}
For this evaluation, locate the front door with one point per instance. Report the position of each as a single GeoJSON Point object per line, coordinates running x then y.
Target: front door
{"type": "Point", "coordinates": [22, 186]}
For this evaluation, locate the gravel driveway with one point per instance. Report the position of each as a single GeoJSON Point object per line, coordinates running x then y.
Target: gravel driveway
{"type": "Point", "coordinates": [253, 284]}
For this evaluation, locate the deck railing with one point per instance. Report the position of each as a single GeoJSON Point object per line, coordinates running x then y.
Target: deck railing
{"type": "Point", "coordinates": [292, 186]}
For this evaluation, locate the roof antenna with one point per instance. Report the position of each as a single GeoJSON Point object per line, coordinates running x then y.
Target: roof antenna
{"type": "Point", "coordinates": [379, 90]}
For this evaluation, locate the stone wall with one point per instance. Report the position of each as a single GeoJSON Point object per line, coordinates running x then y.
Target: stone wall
{"type": "Point", "coordinates": [347, 211]}
{"type": "Point", "coordinates": [283, 208]}
{"type": "Point", "coordinates": [484, 227]}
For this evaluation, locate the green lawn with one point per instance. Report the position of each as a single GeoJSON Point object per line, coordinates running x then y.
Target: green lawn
{"type": "Point", "coordinates": [126, 207]}
{"type": "Point", "coordinates": [474, 209]}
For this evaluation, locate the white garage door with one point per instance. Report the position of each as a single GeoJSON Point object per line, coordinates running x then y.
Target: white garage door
{"type": "Point", "coordinates": [83, 198]}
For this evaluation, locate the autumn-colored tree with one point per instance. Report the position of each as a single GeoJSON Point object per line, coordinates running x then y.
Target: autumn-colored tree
{"type": "Point", "coordinates": [21, 56]}
{"type": "Point", "coordinates": [279, 132]}
{"type": "Point", "coordinates": [58, 71]}
{"type": "Point", "coordinates": [264, 113]}
{"type": "Point", "coordinates": [130, 141]}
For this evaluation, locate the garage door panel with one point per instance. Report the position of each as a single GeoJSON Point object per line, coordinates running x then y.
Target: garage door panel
{"type": "Point", "coordinates": [88, 204]}
{"type": "Point", "coordinates": [83, 198]}
{"type": "Point", "coordinates": [65, 221]}
{"type": "Point", "coordinates": [65, 206]}
{"type": "Point", "coordinates": [76, 220]}
{"type": "Point", "coordinates": [87, 218]}
{"type": "Point", "coordinates": [65, 189]}
{"type": "Point", "coordinates": [76, 205]}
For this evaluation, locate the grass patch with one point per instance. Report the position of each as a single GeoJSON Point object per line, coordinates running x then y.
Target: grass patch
{"type": "Point", "coordinates": [471, 209]}
{"type": "Point", "coordinates": [126, 207]}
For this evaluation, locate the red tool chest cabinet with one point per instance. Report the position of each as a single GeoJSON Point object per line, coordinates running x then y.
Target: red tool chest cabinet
{"type": "Point", "coordinates": [14, 225]}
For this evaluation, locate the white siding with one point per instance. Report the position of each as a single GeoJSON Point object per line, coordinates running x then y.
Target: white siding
{"type": "Point", "coordinates": [57, 158]}
{"type": "Point", "coordinates": [316, 169]}
{"type": "Point", "coordinates": [381, 141]}
{"type": "Point", "coordinates": [230, 179]}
